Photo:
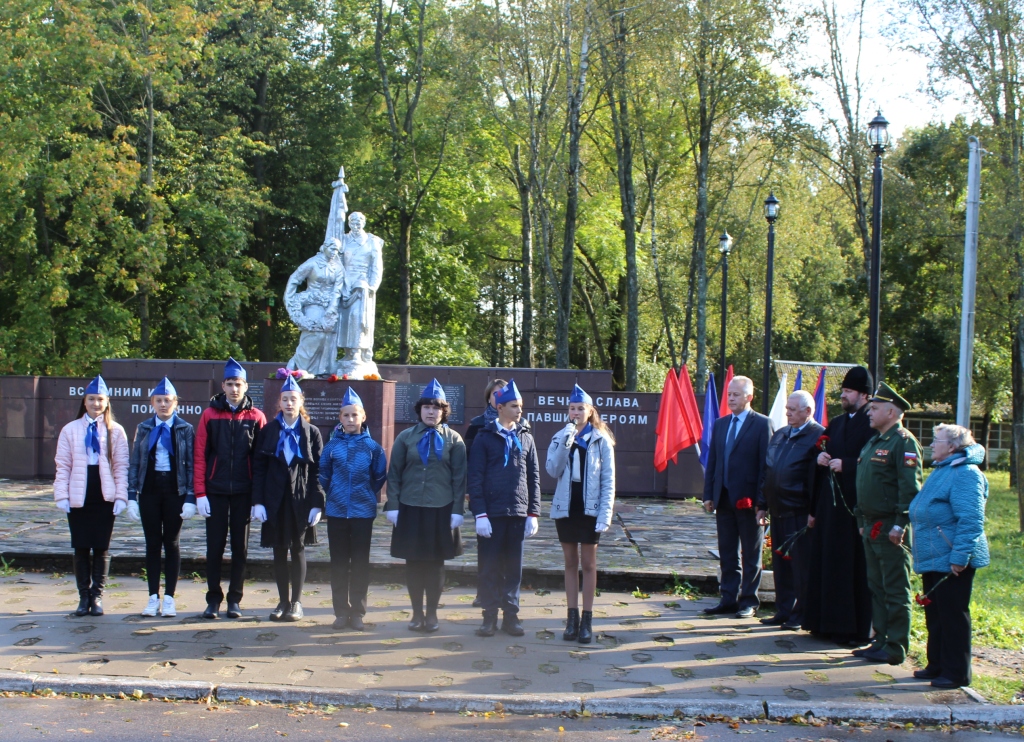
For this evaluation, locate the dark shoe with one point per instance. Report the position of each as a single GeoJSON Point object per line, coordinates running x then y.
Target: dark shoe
{"type": "Point", "coordinates": [430, 623]}
{"type": "Point", "coordinates": [775, 620]}
{"type": "Point", "coordinates": [340, 622]}
{"type": "Point", "coordinates": [477, 603]}
{"type": "Point", "coordinates": [791, 626]}
{"type": "Point", "coordinates": [572, 625]}
{"type": "Point", "coordinates": [946, 683]}
{"type": "Point", "coordinates": [720, 609]}
{"type": "Point", "coordinates": [879, 655]}
{"type": "Point", "coordinates": [927, 674]}
{"type": "Point", "coordinates": [355, 621]}
{"type": "Point", "coordinates": [417, 621]}
{"type": "Point", "coordinates": [511, 625]}
{"type": "Point", "coordinates": [586, 629]}
{"type": "Point", "coordinates": [864, 651]}
{"type": "Point", "coordinates": [489, 626]}
{"type": "Point", "coordinates": [212, 610]}
{"type": "Point", "coordinates": [96, 606]}
{"type": "Point", "coordinates": [282, 608]}
{"type": "Point", "coordinates": [84, 601]}
{"type": "Point", "coordinates": [747, 612]}
{"type": "Point", "coordinates": [100, 570]}
{"type": "Point", "coordinates": [234, 610]}
{"type": "Point", "coordinates": [294, 613]}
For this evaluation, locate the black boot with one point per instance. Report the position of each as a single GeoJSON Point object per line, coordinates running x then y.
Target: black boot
{"type": "Point", "coordinates": [83, 576]}
{"type": "Point", "coordinates": [586, 634]}
{"type": "Point", "coordinates": [100, 570]}
{"type": "Point", "coordinates": [572, 625]}
{"type": "Point", "coordinates": [490, 624]}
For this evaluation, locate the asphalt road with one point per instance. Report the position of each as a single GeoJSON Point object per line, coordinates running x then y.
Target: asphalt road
{"type": "Point", "coordinates": [60, 718]}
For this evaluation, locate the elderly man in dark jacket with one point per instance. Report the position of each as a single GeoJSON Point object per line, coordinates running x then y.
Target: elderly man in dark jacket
{"type": "Point", "coordinates": [789, 484]}
{"type": "Point", "coordinates": [504, 495]}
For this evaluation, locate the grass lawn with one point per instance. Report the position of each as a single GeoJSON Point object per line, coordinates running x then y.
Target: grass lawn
{"type": "Point", "coordinates": [997, 603]}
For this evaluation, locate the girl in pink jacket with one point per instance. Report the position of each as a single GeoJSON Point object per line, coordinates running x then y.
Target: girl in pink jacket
{"type": "Point", "coordinates": [92, 488]}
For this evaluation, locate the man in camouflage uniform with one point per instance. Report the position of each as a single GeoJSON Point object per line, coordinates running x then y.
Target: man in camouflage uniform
{"type": "Point", "coordinates": [888, 478]}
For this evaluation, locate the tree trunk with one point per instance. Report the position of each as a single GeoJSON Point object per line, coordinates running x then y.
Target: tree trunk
{"type": "Point", "coordinates": [261, 246]}
{"type": "Point", "coordinates": [404, 287]}
{"type": "Point", "coordinates": [144, 288]}
{"type": "Point", "coordinates": [526, 230]}
{"type": "Point", "coordinates": [595, 328]}
{"type": "Point", "coordinates": [985, 433]}
{"type": "Point", "coordinates": [700, 228]}
{"type": "Point", "coordinates": [657, 272]}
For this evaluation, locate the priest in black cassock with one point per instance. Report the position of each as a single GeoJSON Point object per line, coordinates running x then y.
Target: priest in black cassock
{"type": "Point", "coordinates": [838, 602]}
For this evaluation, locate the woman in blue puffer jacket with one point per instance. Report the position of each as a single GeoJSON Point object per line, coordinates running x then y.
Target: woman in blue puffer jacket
{"type": "Point", "coordinates": [353, 468]}
{"type": "Point", "coordinates": [948, 521]}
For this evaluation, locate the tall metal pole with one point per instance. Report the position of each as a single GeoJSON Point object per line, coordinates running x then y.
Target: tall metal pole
{"type": "Point", "coordinates": [963, 404]}
{"type": "Point", "coordinates": [725, 294]}
{"type": "Point", "coordinates": [875, 287]}
{"type": "Point", "coordinates": [768, 317]}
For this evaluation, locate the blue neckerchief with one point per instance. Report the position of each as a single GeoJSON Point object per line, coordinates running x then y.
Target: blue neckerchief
{"type": "Point", "coordinates": [92, 438]}
{"type": "Point", "coordinates": [162, 432]}
{"type": "Point", "coordinates": [288, 440]}
{"type": "Point", "coordinates": [580, 440]}
{"type": "Point", "coordinates": [511, 439]}
{"type": "Point", "coordinates": [430, 435]}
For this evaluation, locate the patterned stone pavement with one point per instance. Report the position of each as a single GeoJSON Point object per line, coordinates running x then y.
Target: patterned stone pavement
{"type": "Point", "coordinates": [655, 647]}
{"type": "Point", "coordinates": [648, 541]}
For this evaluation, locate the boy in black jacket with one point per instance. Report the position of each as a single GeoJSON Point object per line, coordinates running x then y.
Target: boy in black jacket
{"type": "Point", "coordinates": [504, 495]}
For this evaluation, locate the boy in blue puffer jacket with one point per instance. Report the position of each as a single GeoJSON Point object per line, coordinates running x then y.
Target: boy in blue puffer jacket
{"type": "Point", "coordinates": [353, 468]}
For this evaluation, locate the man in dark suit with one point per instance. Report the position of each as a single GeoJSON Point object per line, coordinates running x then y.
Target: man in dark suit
{"type": "Point", "coordinates": [733, 481]}
{"type": "Point", "coordinates": [789, 482]}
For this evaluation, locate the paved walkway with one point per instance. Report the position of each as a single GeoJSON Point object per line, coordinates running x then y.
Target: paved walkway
{"type": "Point", "coordinates": [648, 541]}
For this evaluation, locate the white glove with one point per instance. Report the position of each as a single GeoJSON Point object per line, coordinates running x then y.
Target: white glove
{"type": "Point", "coordinates": [314, 516]}
{"type": "Point", "coordinates": [64, 505]}
{"type": "Point", "coordinates": [532, 525]}
{"type": "Point", "coordinates": [258, 514]}
{"type": "Point", "coordinates": [392, 516]}
{"type": "Point", "coordinates": [188, 510]}
{"type": "Point", "coordinates": [600, 528]}
{"type": "Point", "coordinates": [119, 506]}
{"type": "Point", "coordinates": [456, 521]}
{"type": "Point", "coordinates": [483, 526]}
{"type": "Point", "coordinates": [133, 510]}
{"type": "Point", "coordinates": [203, 506]}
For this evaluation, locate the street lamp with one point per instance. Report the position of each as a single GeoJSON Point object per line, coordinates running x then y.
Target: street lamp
{"type": "Point", "coordinates": [724, 247]}
{"type": "Point", "coordinates": [771, 213]}
{"type": "Point", "coordinates": [878, 138]}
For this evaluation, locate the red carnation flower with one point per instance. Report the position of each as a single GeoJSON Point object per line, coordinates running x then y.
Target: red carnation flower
{"type": "Point", "coordinates": [787, 558]}
{"type": "Point", "coordinates": [922, 600]}
{"type": "Point", "coordinates": [744, 503]}
{"type": "Point", "coordinates": [822, 442]}
{"type": "Point", "coordinates": [778, 551]}
{"type": "Point", "coordinates": [332, 378]}
{"type": "Point", "coordinates": [875, 530]}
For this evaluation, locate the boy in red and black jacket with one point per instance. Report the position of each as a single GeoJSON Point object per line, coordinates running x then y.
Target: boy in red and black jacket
{"type": "Point", "coordinates": [225, 441]}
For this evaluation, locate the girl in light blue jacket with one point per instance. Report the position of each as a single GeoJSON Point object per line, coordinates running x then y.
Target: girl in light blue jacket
{"type": "Point", "coordinates": [947, 518]}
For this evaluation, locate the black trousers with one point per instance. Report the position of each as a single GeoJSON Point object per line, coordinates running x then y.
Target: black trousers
{"type": "Point", "coordinates": [740, 540]}
{"type": "Point", "coordinates": [790, 574]}
{"type": "Point", "coordinates": [425, 576]}
{"type": "Point", "coordinates": [948, 619]}
{"type": "Point", "coordinates": [293, 573]}
{"type": "Point", "coordinates": [500, 565]}
{"type": "Point", "coordinates": [349, 542]}
{"type": "Point", "coordinates": [160, 508]}
{"type": "Point", "coordinates": [227, 513]}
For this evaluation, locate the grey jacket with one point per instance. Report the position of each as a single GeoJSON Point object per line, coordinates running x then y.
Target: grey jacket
{"type": "Point", "coordinates": [599, 492]}
{"type": "Point", "coordinates": [184, 445]}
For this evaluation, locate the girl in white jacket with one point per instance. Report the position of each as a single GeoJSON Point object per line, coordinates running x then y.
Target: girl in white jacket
{"type": "Point", "coordinates": [91, 486]}
{"type": "Point", "coordinates": [582, 458]}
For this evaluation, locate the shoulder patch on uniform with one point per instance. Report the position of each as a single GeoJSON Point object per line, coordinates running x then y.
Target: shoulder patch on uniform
{"type": "Point", "coordinates": [902, 432]}
{"type": "Point", "coordinates": [910, 458]}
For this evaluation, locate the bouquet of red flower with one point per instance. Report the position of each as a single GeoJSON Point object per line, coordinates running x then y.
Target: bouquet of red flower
{"type": "Point", "coordinates": [875, 530]}
{"type": "Point", "coordinates": [744, 503]}
{"type": "Point", "coordinates": [924, 600]}
{"type": "Point", "coordinates": [822, 442]}
{"type": "Point", "coordinates": [787, 545]}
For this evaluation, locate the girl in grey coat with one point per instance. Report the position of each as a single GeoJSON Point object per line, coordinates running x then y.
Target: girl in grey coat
{"type": "Point", "coordinates": [582, 458]}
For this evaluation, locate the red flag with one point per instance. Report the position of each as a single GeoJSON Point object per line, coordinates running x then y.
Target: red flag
{"type": "Point", "coordinates": [723, 409]}
{"type": "Point", "coordinates": [693, 424]}
{"type": "Point", "coordinates": [669, 430]}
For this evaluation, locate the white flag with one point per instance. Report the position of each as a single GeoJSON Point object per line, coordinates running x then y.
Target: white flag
{"type": "Point", "coordinates": [777, 416]}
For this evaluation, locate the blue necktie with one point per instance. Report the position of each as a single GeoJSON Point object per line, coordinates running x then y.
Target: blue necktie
{"type": "Point", "coordinates": [161, 433]}
{"type": "Point", "coordinates": [288, 441]}
{"type": "Point", "coordinates": [730, 441]}
{"type": "Point", "coordinates": [581, 440]}
{"type": "Point", "coordinates": [430, 436]}
{"type": "Point", "coordinates": [92, 438]}
{"type": "Point", "coordinates": [511, 439]}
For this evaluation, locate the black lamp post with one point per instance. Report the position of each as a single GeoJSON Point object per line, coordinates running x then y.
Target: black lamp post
{"type": "Point", "coordinates": [771, 213]}
{"type": "Point", "coordinates": [878, 138]}
{"type": "Point", "coordinates": [724, 247]}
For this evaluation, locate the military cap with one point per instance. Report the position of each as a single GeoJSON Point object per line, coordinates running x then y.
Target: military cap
{"type": "Point", "coordinates": [886, 393]}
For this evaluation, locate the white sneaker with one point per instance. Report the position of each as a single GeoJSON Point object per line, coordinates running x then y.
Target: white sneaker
{"type": "Point", "coordinates": [168, 610]}
{"type": "Point", "coordinates": [152, 605]}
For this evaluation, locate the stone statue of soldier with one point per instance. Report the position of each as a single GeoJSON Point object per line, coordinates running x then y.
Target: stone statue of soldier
{"type": "Point", "coordinates": [362, 257]}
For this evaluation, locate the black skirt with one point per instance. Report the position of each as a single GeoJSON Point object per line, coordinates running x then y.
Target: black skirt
{"type": "Point", "coordinates": [578, 527]}
{"type": "Point", "coordinates": [425, 534]}
{"type": "Point", "coordinates": [92, 524]}
{"type": "Point", "coordinates": [284, 529]}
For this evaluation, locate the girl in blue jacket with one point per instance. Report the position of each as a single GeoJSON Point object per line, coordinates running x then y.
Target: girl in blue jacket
{"type": "Point", "coordinates": [353, 468]}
